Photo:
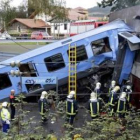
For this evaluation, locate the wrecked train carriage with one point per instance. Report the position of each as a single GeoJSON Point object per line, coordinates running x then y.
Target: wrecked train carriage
{"type": "Point", "coordinates": [98, 52]}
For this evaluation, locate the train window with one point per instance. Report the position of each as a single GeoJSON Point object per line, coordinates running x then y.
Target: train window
{"type": "Point", "coordinates": [4, 81]}
{"type": "Point", "coordinates": [28, 70]}
{"type": "Point", "coordinates": [80, 53]}
{"type": "Point", "coordinates": [54, 62]}
{"type": "Point", "coordinates": [101, 46]}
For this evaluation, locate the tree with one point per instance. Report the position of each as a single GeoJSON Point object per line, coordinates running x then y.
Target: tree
{"type": "Point", "coordinates": [118, 4]}
{"type": "Point", "coordinates": [8, 13]}
{"type": "Point", "coordinates": [53, 8]}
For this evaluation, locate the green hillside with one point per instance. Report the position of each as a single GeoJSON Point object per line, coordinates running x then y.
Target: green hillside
{"type": "Point", "coordinates": [99, 12]}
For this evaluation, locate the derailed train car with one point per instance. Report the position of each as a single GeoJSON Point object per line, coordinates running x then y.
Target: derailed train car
{"type": "Point", "coordinates": [107, 51]}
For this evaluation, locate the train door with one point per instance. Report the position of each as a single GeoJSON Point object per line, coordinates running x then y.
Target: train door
{"type": "Point", "coordinates": [29, 70]}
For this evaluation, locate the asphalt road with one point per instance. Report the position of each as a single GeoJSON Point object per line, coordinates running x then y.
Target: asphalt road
{"type": "Point", "coordinates": [17, 48]}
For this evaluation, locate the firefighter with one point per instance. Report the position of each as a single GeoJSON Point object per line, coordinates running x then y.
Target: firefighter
{"type": "Point", "coordinates": [97, 89]}
{"type": "Point", "coordinates": [12, 103]}
{"type": "Point", "coordinates": [128, 89]}
{"type": "Point", "coordinates": [121, 109]}
{"type": "Point", "coordinates": [71, 107]}
{"type": "Point", "coordinates": [113, 83]}
{"type": "Point", "coordinates": [94, 105]}
{"type": "Point", "coordinates": [43, 106]}
{"type": "Point", "coordinates": [5, 116]}
{"type": "Point", "coordinates": [113, 100]}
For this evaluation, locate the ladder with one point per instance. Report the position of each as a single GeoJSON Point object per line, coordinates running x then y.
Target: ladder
{"type": "Point", "coordinates": [72, 69]}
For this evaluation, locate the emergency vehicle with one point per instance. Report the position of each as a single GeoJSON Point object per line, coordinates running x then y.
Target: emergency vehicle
{"type": "Point", "coordinates": [81, 26]}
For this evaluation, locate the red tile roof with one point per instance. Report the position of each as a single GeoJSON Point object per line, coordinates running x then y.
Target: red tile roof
{"type": "Point", "coordinates": [31, 23]}
{"type": "Point", "coordinates": [73, 15]}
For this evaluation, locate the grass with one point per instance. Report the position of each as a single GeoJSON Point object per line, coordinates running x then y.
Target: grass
{"type": "Point", "coordinates": [25, 43]}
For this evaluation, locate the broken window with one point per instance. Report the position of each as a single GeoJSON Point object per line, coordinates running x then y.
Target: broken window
{"type": "Point", "coordinates": [4, 81]}
{"type": "Point", "coordinates": [28, 70]}
{"type": "Point", "coordinates": [80, 53]}
{"type": "Point", "coordinates": [54, 62]}
{"type": "Point", "coordinates": [101, 46]}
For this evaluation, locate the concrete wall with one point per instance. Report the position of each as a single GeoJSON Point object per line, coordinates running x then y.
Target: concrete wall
{"type": "Point", "coordinates": [128, 15]}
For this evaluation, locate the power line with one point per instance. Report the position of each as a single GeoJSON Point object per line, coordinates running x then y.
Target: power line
{"type": "Point", "coordinates": [17, 42]}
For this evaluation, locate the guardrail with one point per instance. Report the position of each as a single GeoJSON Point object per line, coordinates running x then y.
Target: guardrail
{"type": "Point", "coordinates": [26, 40]}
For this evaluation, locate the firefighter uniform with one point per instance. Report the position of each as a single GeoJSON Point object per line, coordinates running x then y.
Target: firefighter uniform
{"type": "Point", "coordinates": [121, 109]}
{"type": "Point", "coordinates": [113, 100]}
{"type": "Point", "coordinates": [94, 106]}
{"type": "Point", "coordinates": [128, 90]}
{"type": "Point", "coordinates": [12, 105]}
{"type": "Point", "coordinates": [71, 107]}
{"type": "Point", "coordinates": [43, 106]}
{"type": "Point", "coordinates": [5, 116]}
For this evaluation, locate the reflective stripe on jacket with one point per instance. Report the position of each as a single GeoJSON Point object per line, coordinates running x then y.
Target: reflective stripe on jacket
{"type": "Point", "coordinates": [121, 106]}
{"type": "Point", "coordinates": [112, 98]}
{"type": "Point", "coordinates": [71, 106]}
{"type": "Point", "coordinates": [94, 109]}
{"type": "Point", "coordinates": [5, 115]}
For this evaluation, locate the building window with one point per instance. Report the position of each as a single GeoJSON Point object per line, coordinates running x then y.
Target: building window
{"type": "Point", "coordinates": [80, 53]}
{"type": "Point", "coordinates": [18, 28]}
{"type": "Point", "coordinates": [55, 27]}
{"type": "Point", "coordinates": [65, 26]}
{"type": "Point", "coordinates": [4, 81]}
{"type": "Point", "coordinates": [100, 46]}
{"type": "Point", "coordinates": [54, 62]}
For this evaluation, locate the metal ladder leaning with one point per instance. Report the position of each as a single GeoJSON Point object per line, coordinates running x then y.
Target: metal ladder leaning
{"type": "Point", "coordinates": [72, 69]}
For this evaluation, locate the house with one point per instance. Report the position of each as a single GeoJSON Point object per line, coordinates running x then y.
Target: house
{"type": "Point", "coordinates": [19, 25]}
{"type": "Point", "coordinates": [82, 11]}
{"type": "Point", "coordinates": [61, 28]}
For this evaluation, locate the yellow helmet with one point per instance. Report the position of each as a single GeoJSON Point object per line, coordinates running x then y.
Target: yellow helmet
{"type": "Point", "coordinates": [116, 88]}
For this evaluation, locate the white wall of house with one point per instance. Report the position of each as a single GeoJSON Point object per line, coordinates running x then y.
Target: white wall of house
{"type": "Point", "coordinates": [60, 28]}
{"type": "Point", "coordinates": [56, 28]}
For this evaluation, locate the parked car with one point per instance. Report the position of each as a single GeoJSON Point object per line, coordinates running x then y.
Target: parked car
{"type": "Point", "coordinates": [5, 35]}
{"type": "Point", "coordinates": [40, 35]}
{"type": "Point", "coordinates": [23, 36]}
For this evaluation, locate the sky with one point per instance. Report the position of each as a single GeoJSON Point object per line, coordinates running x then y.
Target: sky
{"type": "Point", "coordinates": [69, 3]}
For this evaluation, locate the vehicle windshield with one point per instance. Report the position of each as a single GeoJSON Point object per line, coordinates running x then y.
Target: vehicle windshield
{"type": "Point", "coordinates": [45, 34]}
